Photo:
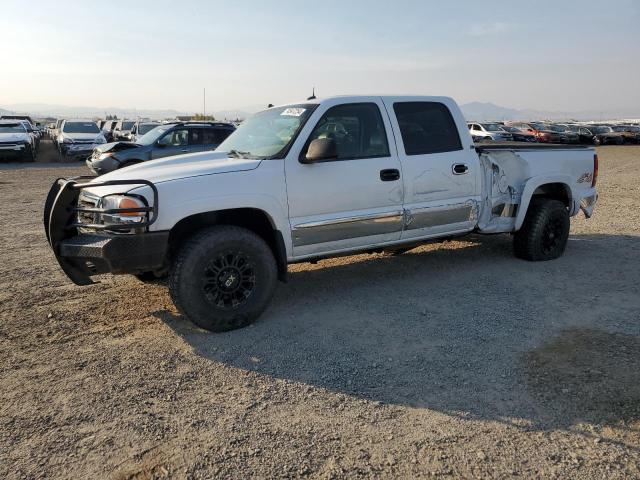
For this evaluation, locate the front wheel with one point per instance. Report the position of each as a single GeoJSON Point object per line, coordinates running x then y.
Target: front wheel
{"type": "Point", "coordinates": [223, 278]}
{"type": "Point", "coordinates": [544, 233]}
{"type": "Point", "coordinates": [28, 155]}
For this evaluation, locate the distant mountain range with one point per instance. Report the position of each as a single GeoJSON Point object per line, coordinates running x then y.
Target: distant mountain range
{"type": "Point", "coordinates": [473, 111]}
{"type": "Point", "coordinates": [479, 111]}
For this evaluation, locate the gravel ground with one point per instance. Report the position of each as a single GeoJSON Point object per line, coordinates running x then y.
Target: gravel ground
{"type": "Point", "coordinates": [454, 359]}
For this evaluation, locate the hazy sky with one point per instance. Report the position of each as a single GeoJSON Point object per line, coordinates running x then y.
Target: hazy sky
{"type": "Point", "coordinates": [564, 56]}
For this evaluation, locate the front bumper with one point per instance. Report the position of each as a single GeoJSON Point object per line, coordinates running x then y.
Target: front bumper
{"type": "Point", "coordinates": [82, 255]}
{"type": "Point", "coordinates": [77, 150]}
{"type": "Point", "coordinates": [94, 254]}
{"type": "Point", "coordinates": [11, 150]}
{"type": "Point", "coordinates": [103, 165]}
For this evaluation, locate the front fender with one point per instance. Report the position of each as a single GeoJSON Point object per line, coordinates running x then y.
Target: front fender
{"type": "Point", "coordinates": [532, 185]}
{"type": "Point", "coordinates": [176, 207]}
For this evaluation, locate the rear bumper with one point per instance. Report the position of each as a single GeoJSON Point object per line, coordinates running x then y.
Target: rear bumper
{"type": "Point", "coordinates": [588, 202]}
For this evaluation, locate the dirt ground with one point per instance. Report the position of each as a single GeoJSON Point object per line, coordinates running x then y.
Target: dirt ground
{"type": "Point", "coordinates": [453, 360]}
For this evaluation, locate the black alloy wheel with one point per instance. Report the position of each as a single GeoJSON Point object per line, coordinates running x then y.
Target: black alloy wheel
{"type": "Point", "coordinates": [229, 280]}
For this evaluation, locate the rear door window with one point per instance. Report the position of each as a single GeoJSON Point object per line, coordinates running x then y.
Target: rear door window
{"type": "Point", "coordinates": [427, 127]}
{"type": "Point", "coordinates": [195, 136]}
{"type": "Point", "coordinates": [215, 136]}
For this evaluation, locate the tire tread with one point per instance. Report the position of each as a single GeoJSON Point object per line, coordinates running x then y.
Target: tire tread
{"type": "Point", "coordinates": [526, 241]}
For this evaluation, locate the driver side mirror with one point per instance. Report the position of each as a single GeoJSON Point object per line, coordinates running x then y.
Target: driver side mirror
{"type": "Point", "coordinates": [321, 150]}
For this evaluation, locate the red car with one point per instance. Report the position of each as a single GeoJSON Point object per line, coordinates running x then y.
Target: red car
{"type": "Point", "coordinates": [541, 131]}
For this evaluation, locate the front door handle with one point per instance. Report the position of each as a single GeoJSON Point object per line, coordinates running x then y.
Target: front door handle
{"type": "Point", "coordinates": [460, 169]}
{"type": "Point", "coordinates": [389, 174]}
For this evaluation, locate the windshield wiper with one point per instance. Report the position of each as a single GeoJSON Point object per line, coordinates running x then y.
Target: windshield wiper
{"type": "Point", "coordinates": [238, 153]}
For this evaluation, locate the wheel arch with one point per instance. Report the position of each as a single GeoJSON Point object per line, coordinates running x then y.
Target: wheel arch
{"type": "Point", "coordinates": [556, 188]}
{"type": "Point", "coordinates": [253, 219]}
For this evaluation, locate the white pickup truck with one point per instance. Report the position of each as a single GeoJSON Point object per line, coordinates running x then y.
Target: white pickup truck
{"type": "Point", "coordinates": [311, 180]}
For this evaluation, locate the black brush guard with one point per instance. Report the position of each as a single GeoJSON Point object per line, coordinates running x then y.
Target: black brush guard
{"type": "Point", "coordinates": [110, 249]}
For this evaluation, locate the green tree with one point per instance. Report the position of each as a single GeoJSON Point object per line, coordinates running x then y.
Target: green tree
{"type": "Point", "coordinates": [202, 117]}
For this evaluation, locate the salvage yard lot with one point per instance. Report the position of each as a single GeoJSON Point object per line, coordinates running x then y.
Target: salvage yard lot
{"type": "Point", "coordinates": [453, 359]}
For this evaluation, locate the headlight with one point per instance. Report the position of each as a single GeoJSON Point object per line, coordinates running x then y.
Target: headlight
{"type": "Point", "coordinates": [67, 140]}
{"type": "Point", "coordinates": [100, 140]}
{"type": "Point", "coordinates": [121, 201]}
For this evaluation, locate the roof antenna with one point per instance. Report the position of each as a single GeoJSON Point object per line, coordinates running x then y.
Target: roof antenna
{"type": "Point", "coordinates": [270, 105]}
{"type": "Point", "coordinates": [313, 94]}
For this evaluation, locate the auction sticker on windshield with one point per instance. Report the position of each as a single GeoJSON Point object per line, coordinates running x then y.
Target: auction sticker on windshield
{"type": "Point", "coordinates": [293, 112]}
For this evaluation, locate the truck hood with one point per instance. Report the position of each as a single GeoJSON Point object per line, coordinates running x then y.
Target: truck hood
{"type": "Point", "coordinates": [81, 136]}
{"type": "Point", "coordinates": [116, 146]}
{"type": "Point", "coordinates": [175, 168]}
{"type": "Point", "coordinates": [13, 137]}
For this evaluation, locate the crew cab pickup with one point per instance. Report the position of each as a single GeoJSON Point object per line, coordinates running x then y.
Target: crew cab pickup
{"type": "Point", "coordinates": [311, 180]}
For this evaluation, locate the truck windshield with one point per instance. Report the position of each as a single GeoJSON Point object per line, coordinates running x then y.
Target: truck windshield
{"type": "Point", "coordinates": [267, 134]}
{"type": "Point", "coordinates": [12, 128]}
{"type": "Point", "coordinates": [150, 137]}
{"type": "Point", "coordinates": [80, 127]}
{"type": "Point", "coordinates": [144, 128]}
{"type": "Point", "coordinates": [127, 125]}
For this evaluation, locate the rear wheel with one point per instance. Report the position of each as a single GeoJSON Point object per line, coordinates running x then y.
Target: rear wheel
{"type": "Point", "coordinates": [544, 233]}
{"type": "Point", "coordinates": [223, 278]}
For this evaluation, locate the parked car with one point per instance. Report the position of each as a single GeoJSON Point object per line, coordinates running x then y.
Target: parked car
{"type": "Point", "coordinates": [545, 134]}
{"type": "Point", "coordinates": [630, 133]}
{"type": "Point", "coordinates": [18, 117]}
{"type": "Point", "coordinates": [599, 135]}
{"type": "Point", "coordinates": [107, 129]}
{"type": "Point", "coordinates": [316, 179]}
{"type": "Point", "coordinates": [56, 132]}
{"type": "Point", "coordinates": [163, 141]}
{"type": "Point", "coordinates": [489, 131]}
{"type": "Point", "coordinates": [28, 122]}
{"type": "Point", "coordinates": [141, 128]}
{"type": "Point", "coordinates": [77, 138]}
{"type": "Point", "coordinates": [16, 142]}
{"type": "Point", "coordinates": [569, 135]}
{"type": "Point", "coordinates": [51, 130]}
{"type": "Point", "coordinates": [520, 135]}
{"type": "Point", "coordinates": [122, 130]}
{"type": "Point", "coordinates": [35, 135]}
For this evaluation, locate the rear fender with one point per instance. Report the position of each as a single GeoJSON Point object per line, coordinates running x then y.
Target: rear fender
{"type": "Point", "coordinates": [533, 184]}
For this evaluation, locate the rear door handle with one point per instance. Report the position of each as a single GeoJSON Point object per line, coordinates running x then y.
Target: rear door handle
{"type": "Point", "coordinates": [460, 169]}
{"type": "Point", "coordinates": [389, 174]}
